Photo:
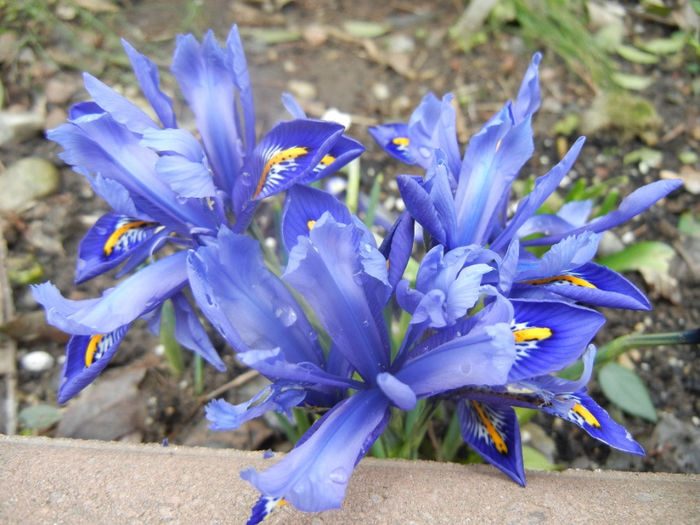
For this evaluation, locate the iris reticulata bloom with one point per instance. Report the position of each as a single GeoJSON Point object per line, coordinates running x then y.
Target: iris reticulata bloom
{"type": "Point", "coordinates": [171, 191]}
{"type": "Point", "coordinates": [489, 322]}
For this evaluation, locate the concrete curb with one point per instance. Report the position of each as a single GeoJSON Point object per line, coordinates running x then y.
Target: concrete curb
{"type": "Point", "coordinates": [69, 481]}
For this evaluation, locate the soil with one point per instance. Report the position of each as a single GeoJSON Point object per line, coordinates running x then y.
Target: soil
{"type": "Point", "coordinates": [375, 80]}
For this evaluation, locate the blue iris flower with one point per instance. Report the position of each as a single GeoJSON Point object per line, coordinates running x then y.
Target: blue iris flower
{"type": "Point", "coordinates": [461, 202]}
{"type": "Point", "coordinates": [166, 187]}
{"type": "Point", "coordinates": [334, 264]}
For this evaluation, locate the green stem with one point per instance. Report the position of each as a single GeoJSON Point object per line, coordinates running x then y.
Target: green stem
{"type": "Point", "coordinates": [619, 346]}
{"type": "Point", "coordinates": [353, 190]}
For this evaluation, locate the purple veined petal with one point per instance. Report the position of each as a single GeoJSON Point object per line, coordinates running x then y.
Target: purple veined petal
{"type": "Point", "coordinates": [246, 302]}
{"type": "Point", "coordinates": [283, 157]}
{"type": "Point", "coordinates": [544, 186]}
{"type": "Point", "coordinates": [83, 109]}
{"type": "Point", "coordinates": [433, 126]}
{"type": "Point", "coordinates": [483, 357]}
{"type": "Point", "coordinates": [86, 357]}
{"type": "Point", "coordinates": [399, 393]}
{"type": "Point", "coordinates": [292, 106]}
{"type": "Point", "coordinates": [273, 365]}
{"type": "Point", "coordinates": [143, 252]}
{"type": "Point", "coordinates": [178, 141]}
{"type": "Point", "coordinates": [147, 74]}
{"type": "Point", "coordinates": [528, 101]}
{"type": "Point", "coordinates": [109, 242]}
{"type": "Point", "coordinates": [493, 159]}
{"type": "Point", "coordinates": [119, 306]}
{"type": "Point", "coordinates": [393, 138]}
{"type": "Point", "coordinates": [585, 413]}
{"type": "Point", "coordinates": [204, 74]}
{"type": "Point", "coordinates": [421, 206]}
{"type": "Point", "coordinates": [100, 145]}
{"type": "Point", "coordinates": [303, 206]}
{"type": "Point", "coordinates": [263, 508]}
{"type": "Point", "coordinates": [492, 430]}
{"type": "Point", "coordinates": [116, 195]}
{"type": "Point", "coordinates": [508, 267]}
{"type": "Point", "coordinates": [590, 284]}
{"type": "Point", "coordinates": [279, 397]}
{"type": "Point", "coordinates": [498, 310]}
{"type": "Point", "coordinates": [239, 69]}
{"type": "Point", "coordinates": [119, 107]}
{"type": "Point", "coordinates": [549, 336]}
{"type": "Point", "coordinates": [314, 475]}
{"type": "Point", "coordinates": [632, 205]}
{"type": "Point", "coordinates": [397, 246]}
{"type": "Point", "coordinates": [190, 333]}
{"type": "Point", "coordinates": [327, 269]}
{"type": "Point", "coordinates": [568, 254]}
{"type": "Point", "coordinates": [437, 184]}
{"type": "Point", "coordinates": [186, 178]}
{"type": "Point", "coordinates": [339, 273]}
{"type": "Point", "coordinates": [343, 151]}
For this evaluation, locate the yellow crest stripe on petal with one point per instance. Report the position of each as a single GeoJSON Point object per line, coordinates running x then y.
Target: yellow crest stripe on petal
{"type": "Point", "coordinates": [571, 279]}
{"type": "Point", "coordinates": [498, 441]}
{"type": "Point", "coordinates": [277, 158]}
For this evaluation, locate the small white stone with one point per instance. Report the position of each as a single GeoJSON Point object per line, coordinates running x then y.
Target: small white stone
{"type": "Point", "coordinates": [337, 116]}
{"type": "Point", "coordinates": [37, 361]}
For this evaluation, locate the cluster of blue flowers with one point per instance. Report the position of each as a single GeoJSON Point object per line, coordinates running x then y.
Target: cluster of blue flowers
{"type": "Point", "coordinates": [490, 322]}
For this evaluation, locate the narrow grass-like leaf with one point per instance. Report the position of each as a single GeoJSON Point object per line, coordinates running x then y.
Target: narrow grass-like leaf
{"type": "Point", "coordinates": [633, 54]}
{"type": "Point", "coordinates": [373, 200]}
{"type": "Point", "coordinates": [173, 352]}
{"type": "Point", "coordinates": [625, 389]}
{"type": "Point", "coordinates": [453, 439]}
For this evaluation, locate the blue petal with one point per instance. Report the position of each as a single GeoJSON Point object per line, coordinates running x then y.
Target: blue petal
{"type": "Point", "coordinates": [292, 106]}
{"type": "Point", "coordinates": [279, 397]}
{"type": "Point", "coordinates": [568, 254]}
{"type": "Point", "coordinates": [634, 204]}
{"type": "Point", "coordinates": [304, 206]}
{"type": "Point", "coordinates": [263, 508]}
{"type": "Point", "coordinates": [399, 393]}
{"type": "Point", "coordinates": [147, 74]}
{"type": "Point", "coordinates": [420, 205]}
{"type": "Point", "coordinates": [207, 83]}
{"type": "Point", "coordinates": [327, 269]}
{"type": "Point", "coordinates": [343, 151]}
{"type": "Point", "coordinates": [493, 431]}
{"type": "Point", "coordinates": [528, 101]}
{"type": "Point", "coordinates": [583, 412]}
{"type": "Point", "coordinates": [493, 159]}
{"type": "Point", "coordinates": [86, 357]}
{"type": "Point", "coordinates": [550, 336]}
{"type": "Point", "coordinates": [246, 302]}
{"type": "Point", "coordinates": [119, 306]}
{"type": "Point", "coordinates": [120, 108]}
{"type": "Point", "coordinates": [479, 358]}
{"type": "Point", "coordinates": [590, 284]}
{"type": "Point", "coordinates": [544, 186]}
{"type": "Point", "coordinates": [433, 126]}
{"type": "Point", "coordinates": [239, 67]}
{"type": "Point", "coordinates": [284, 157]}
{"type": "Point", "coordinates": [186, 178]}
{"type": "Point", "coordinates": [100, 145]}
{"type": "Point", "coordinates": [397, 246]}
{"type": "Point", "coordinates": [393, 138]}
{"type": "Point", "coordinates": [190, 333]}
{"type": "Point", "coordinates": [109, 242]}
{"type": "Point", "coordinates": [273, 365]}
{"type": "Point", "coordinates": [314, 475]}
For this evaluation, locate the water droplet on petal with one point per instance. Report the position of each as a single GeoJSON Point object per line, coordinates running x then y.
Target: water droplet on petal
{"type": "Point", "coordinates": [339, 475]}
{"type": "Point", "coordinates": [466, 369]}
